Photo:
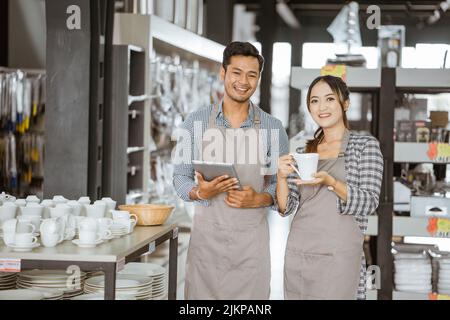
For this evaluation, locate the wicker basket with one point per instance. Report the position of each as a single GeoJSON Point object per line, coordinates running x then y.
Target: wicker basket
{"type": "Point", "coordinates": [149, 214]}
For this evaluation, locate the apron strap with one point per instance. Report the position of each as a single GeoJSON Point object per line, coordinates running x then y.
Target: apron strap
{"type": "Point", "coordinates": [344, 143]}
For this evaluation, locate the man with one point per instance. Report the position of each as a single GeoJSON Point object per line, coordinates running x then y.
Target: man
{"type": "Point", "coordinates": [228, 256]}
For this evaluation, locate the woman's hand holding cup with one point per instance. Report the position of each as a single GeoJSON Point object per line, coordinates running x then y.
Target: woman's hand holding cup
{"type": "Point", "coordinates": [285, 166]}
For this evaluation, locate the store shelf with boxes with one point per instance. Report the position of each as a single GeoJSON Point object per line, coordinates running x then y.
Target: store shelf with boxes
{"type": "Point", "coordinates": [180, 74]}
{"type": "Point", "coordinates": [417, 164]}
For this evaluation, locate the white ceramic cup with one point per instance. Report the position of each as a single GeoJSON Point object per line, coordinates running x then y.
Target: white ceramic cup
{"type": "Point", "coordinates": [129, 224]}
{"type": "Point", "coordinates": [58, 199]}
{"type": "Point", "coordinates": [51, 239]}
{"type": "Point", "coordinates": [24, 239]}
{"type": "Point", "coordinates": [32, 199]}
{"type": "Point", "coordinates": [95, 210]}
{"type": "Point", "coordinates": [120, 214]}
{"type": "Point", "coordinates": [25, 227]}
{"type": "Point", "coordinates": [9, 226]}
{"type": "Point", "coordinates": [47, 204]}
{"type": "Point", "coordinates": [84, 200]}
{"type": "Point", "coordinates": [104, 225]}
{"type": "Point", "coordinates": [34, 220]}
{"type": "Point", "coordinates": [7, 211]}
{"type": "Point", "coordinates": [32, 209]}
{"type": "Point", "coordinates": [60, 210]}
{"type": "Point", "coordinates": [110, 203]}
{"type": "Point", "coordinates": [51, 226]}
{"type": "Point", "coordinates": [307, 164]}
{"type": "Point", "coordinates": [89, 237]}
{"type": "Point", "coordinates": [21, 202]}
{"type": "Point", "coordinates": [88, 224]}
{"type": "Point", "coordinates": [8, 238]}
{"type": "Point", "coordinates": [76, 207]}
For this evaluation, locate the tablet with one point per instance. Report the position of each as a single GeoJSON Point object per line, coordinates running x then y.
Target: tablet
{"type": "Point", "coordinates": [211, 170]}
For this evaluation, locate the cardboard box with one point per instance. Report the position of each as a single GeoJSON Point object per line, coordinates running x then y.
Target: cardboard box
{"type": "Point", "coordinates": [439, 119]}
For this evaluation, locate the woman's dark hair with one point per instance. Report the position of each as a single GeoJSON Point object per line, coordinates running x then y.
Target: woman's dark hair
{"type": "Point", "coordinates": [238, 48]}
{"type": "Point", "coordinates": [340, 89]}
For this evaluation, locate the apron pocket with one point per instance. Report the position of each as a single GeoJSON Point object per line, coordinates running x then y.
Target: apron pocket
{"type": "Point", "coordinates": [315, 275]}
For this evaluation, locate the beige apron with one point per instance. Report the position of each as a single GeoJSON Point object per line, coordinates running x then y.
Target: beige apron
{"type": "Point", "coordinates": [324, 248]}
{"type": "Point", "coordinates": [228, 256]}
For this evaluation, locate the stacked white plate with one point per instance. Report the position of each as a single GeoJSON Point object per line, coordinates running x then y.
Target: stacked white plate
{"type": "Point", "coordinates": [7, 280]}
{"type": "Point", "coordinates": [118, 230]}
{"type": "Point", "coordinates": [156, 272]}
{"type": "Point", "coordinates": [101, 296]}
{"type": "Point", "coordinates": [444, 276]}
{"type": "Point", "coordinates": [412, 273]}
{"type": "Point", "coordinates": [21, 294]}
{"type": "Point", "coordinates": [139, 287]}
{"type": "Point", "coordinates": [50, 279]}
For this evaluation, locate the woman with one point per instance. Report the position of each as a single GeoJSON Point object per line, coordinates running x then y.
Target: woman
{"type": "Point", "coordinates": [324, 254]}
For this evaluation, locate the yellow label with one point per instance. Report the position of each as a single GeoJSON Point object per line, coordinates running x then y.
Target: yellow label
{"type": "Point", "coordinates": [439, 227]}
{"type": "Point", "coordinates": [434, 296]}
{"type": "Point", "coordinates": [439, 152]}
{"type": "Point", "coordinates": [443, 225]}
{"type": "Point", "coordinates": [337, 70]}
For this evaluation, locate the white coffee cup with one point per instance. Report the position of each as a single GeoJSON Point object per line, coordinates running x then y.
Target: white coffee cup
{"type": "Point", "coordinates": [129, 224]}
{"type": "Point", "coordinates": [84, 200]}
{"type": "Point", "coordinates": [58, 199]}
{"type": "Point", "coordinates": [8, 211]}
{"type": "Point", "coordinates": [8, 238]}
{"type": "Point", "coordinates": [76, 207]}
{"type": "Point", "coordinates": [32, 199]}
{"type": "Point", "coordinates": [120, 214]}
{"type": "Point", "coordinates": [34, 220]}
{"type": "Point", "coordinates": [9, 226]}
{"type": "Point", "coordinates": [51, 226]}
{"type": "Point", "coordinates": [88, 224]}
{"type": "Point", "coordinates": [89, 237]}
{"type": "Point", "coordinates": [95, 210]}
{"type": "Point", "coordinates": [47, 204]}
{"type": "Point", "coordinates": [32, 209]}
{"type": "Point", "coordinates": [21, 202]}
{"type": "Point", "coordinates": [24, 239]}
{"type": "Point", "coordinates": [60, 210]}
{"type": "Point", "coordinates": [25, 227]}
{"type": "Point", "coordinates": [110, 203]}
{"type": "Point", "coordinates": [51, 239]}
{"type": "Point", "coordinates": [307, 164]}
{"type": "Point", "coordinates": [104, 225]}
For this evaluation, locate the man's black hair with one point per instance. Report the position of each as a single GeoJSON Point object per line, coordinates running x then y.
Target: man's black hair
{"type": "Point", "coordinates": [238, 48]}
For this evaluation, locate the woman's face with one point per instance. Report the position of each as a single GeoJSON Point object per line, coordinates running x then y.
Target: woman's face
{"type": "Point", "coordinates": [324, 106]}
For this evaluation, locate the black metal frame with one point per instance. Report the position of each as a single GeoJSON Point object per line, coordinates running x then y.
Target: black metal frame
{"type": "Point", "coordinates": [110, 268]}
{"type": "Point", "coordinates": [4, 30]}
{"type": "Point", "coordinates": [385, 129]}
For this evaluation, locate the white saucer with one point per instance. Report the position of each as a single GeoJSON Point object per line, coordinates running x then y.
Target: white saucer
{"type": "Point", "coordinates": [23, 249]}
{"type": "Point", "coordinates": [86, 245]}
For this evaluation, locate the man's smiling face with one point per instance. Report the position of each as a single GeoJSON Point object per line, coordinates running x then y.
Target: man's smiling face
{"type": "Point", "coordinates": [241, 77]}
